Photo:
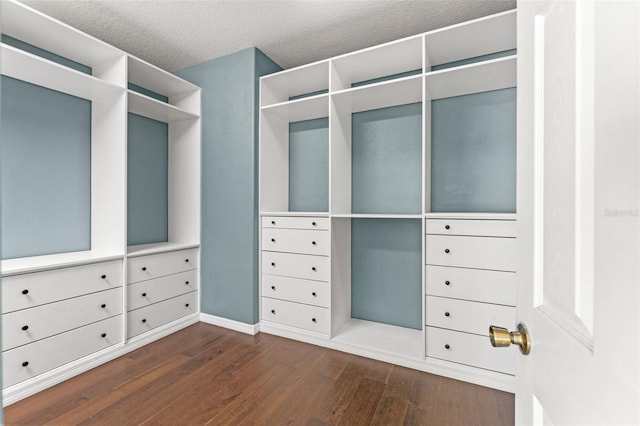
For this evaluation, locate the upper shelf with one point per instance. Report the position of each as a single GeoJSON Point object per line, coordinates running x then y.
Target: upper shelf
{"type": "Point", "coordinates": [380, 95]}
{"type": "Point", "coordinates": [280, 87]}
{"type": "Point", "coordinates": [300, 109]}
{"type": "Point", "coordinates": [157, 110]}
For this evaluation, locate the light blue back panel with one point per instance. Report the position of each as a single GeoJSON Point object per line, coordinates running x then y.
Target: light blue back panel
{"type": "Point", "coordinates": [147, 92]}
{"type": "Point", "coordinates": [18, 44]}
{"type": "Point", "coordinates": [386, 271]}
{"type": "Point", "coordinates": [473, 153]}
{"type": "Point", "coordinates": [474, 59]}
{"type": "Point", "coordinates": [308, 95]}
{"type": "Point", "coordinates": [387, 160]}
{"type": "Point", "coordinates": [309, 165]}
{"type": "Point", "coordinates": [45, 162]}
{"type": "Point", "coordinates": [147, 180]}
{"type": "Point", "coordinates": [229, 239]}
{"type": "Point", "coordinates": [387, 78]}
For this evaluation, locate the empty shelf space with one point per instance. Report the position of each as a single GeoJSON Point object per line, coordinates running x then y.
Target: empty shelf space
{"type": "Point", "coordinates": [157, 110]}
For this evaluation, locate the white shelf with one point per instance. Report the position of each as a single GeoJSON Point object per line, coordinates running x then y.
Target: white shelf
{"type": "Point", "coordinates": [472, 216]}
{"type": "Point", "coordinates": [382, 338]}
{"type": "Point", "coordinates": [378, 216]}
{"type": "Point", "coordinates": [42, 72]}
{"type": "Point", "coordinates": [473, 78]}
{"type": "Point", "coordinates": [294, 214]}
{"type": "Point", "coordinates": [300, 109]}
{"type": "Point", "coordinates": [52, 261]}
{"type": "Point", "coordinates": [156, 79]}
{"type": "Point", "coordinates": [490, 34]}
{"type": "Point", "coordinates": [155, 109]}
{"type": "Point", "coordinates": [389, 93]}
{"type": "Point", "coordinates": [278, 87]}
{"type": "Point", "coordinates": [145, 249]}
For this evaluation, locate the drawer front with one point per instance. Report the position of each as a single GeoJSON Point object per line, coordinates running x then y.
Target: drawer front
{"type": "Point", "coordinates": [472, 284]}
{"type": "Point", "coordinates": [29, 290]}
{"type": "Point", "coordinates": [472, 252]}
{"type": "Point", "coordinates": [297, 315]}
{"type": "Point", "coordinates": [28, 361]}
{"type": "Point", "coordinates": [158, 265]}
{"type": "Point", "coordinates": [296, 290]}
{"type": "Point", "coordinates": [30, 325]}
{"type": "Point", "coordinates": [153, 316]}
{"type": "Point", "coordinates": [296, 265]}
{"type": "Point", "coordinates": [470, 317]}
{"type": "Point", "coordinates": [470, 349]}
{"type": "Point", "coordinates": [482, 228]}
{"type": "Point", "coordinates": [153, 291]}
{"type": "Point", "coordinates": [297, 241]}
{"type": "Point", "coordinates": [295, 222]}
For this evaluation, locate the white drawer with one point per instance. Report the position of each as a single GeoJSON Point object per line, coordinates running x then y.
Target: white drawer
{"type": "Point", "coordinates": [470, 349]}
{"type": "Point", "coordinates": [153, 316]}
{"type": "Point", "coordinates": [158, 265]}
{"type": "Point", "coordinates": [472, 284]}
{"type": "Point", "coordinates": [153, 291]}
{"type": "Point", "coordinates": [27, 361]}
{"type": "Point", "coordinates": [296, 290]}
{"type": "Point", "coordinates": [30, 325]}
{"type": "Point", "coordinates": [470, 317]}
{"type": "Point", "coordinates": [29, 290]}
{"type": "Point", "coordinates": [484, 228]}
{"type": "Point", "coordinates": [297, 241]}
{"type": "Point", "coordinates": [296, 265]}
{"type": "Point", "coordinates": [472, 252]}
{"type": "Point", "coordinates": [295, 222]}
{"type": "Point", "coordinates": [297, 315]}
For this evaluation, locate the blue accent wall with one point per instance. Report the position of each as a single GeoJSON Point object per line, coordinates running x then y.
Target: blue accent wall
{"type": "Point", "coordinates": [309, 165]}
{"type": "Point", "coordinates": [19, 44]}
{"type": "Point", "coordinates": [386, 271]}
{"type": "Point", "coordinates": [147, 180]}
{"type": "Point", "coordinates": [387, 160]}
{"type": "Point", "coordinates": [45, 167]}
{"type": "Point", "coordinates": [229, 239]}
{"type": "Point", "coordinates": [147, 92]}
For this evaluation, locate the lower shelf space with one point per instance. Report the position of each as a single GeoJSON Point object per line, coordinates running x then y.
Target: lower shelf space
{"type": "Point", "coordinates": [383, 338]}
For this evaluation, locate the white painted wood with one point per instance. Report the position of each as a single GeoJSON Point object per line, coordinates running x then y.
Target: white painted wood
{"type": "Point", "coordinates": [319, 223]}
{"type": "Point", "coordinates": [472, 284]}
{"type": "Point", "coordinates": [156, 79]}
{"type": "Point", "coordinates": [470, 349]}
{"type": "Point", "coordinates": [472, 78]}
{"type": "Point", "coordinates": [467, 316]}
{"type": "Point", "coordinates": [578, 203]}
{"type": "Point", "coordinates": [498, 254]}
{"type": "Point", "coordinates": [383, 338]}
{"type": "Point", "coordinates": [340, 273]}
{"type": "Point", "coordinates": [295, 214]}
{"type": "Point", "coordinates": [316, 293]}
{"type": "Point", "coordinates": [25, 265]}
{"type": "Point", "coordinates": [242, 327]}
{"type": "Point", "coordinates": [56, 351]}
{"type": "Point", "coordinates": [155, 109]}
{"type": "Point", "coordinates": [494, 33]}
{"type": "Point", "coordinates": [340, 158]}
{"type": "Point", "coordinates": [300, 241]}
{"type": "Point", "coordinates": [486, 228]}
{"type": "Point", "coordinates": [377, 216]}
{"type": "Point", "coordinates": [145, 293]}
{"type": "Point", "coordinates": [312, 318]}
{"type": "Point", "coordinates": [150, 317]}
{"type": "Point", "coordinates": [470, 216]}
{"type": "Point", "coordinates": [30, 290]}
{"type": "Point", "coordinates": [380, 95]}
{"type": "Point", "coordinates": [155, 248]}
{"type": "Point", "coordinates": [300, 109]}
{"type": "Point", "coordinates": [379, 61]}
{"type": "Point", "coordinates": [157, 265]}
{"type": "Point", "coordinates": [54, 318]}
{"type": "Point", "coordinates": [278, 87]}
{"type": "Point", "coordinates": [296, 265]}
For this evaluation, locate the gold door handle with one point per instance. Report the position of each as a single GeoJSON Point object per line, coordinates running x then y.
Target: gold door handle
{"type": "Point", "coordinates": [501, 337]}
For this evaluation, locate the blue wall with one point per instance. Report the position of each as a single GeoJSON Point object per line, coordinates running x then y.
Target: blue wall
{"type": "Point", "coordinates": [45, 163]}
{"type": "Point", "coordinates": [229, 239]}
{"type": "Point", "coordinates": [309, 165]}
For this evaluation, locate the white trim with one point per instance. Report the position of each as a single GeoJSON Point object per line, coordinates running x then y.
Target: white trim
{"type": "Point", "coordinates": [242, 327]}
{"type": "Point", "coordinates": [43, 381]}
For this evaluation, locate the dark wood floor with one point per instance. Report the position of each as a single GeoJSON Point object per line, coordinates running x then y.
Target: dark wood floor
{"type": "Point", "coordinates": [209, 375]}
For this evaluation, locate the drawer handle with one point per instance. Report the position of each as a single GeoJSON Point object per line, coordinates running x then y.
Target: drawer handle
{"type": "Point", "coordinates": [186, 282]}
{"type": "Point", "coordinates": [26, 363]}
{"type": "Point", "coordinates": [25, 327]}
{"type": "Point", "coordinates": [103, 306]}
{"type": "Point", "coordinates": [273, 311]}
{"type": "Point", "coordinates": [314, 294]}
{"type": "Point", "coordinates": [144, 320]}
{"type": "Point", "coordinates": [144, 294]}
{"type": "Point", "coordinates": [447, 227]}
{"type": "Point", "coordinates": [186, 305]}
{"type": "Point", "coordinates": [273, 222]}
{"type": "Point", "coordinates": [273, 264]}
{"type": "Point", "coordinates": [103, 335]}
{"type": "Point", "coordinates": [186, 260]}
{"type": "Point", "coordinates": [273, 287]}
{"type": "Point", "coordinates": [314, 243]}
{"type": "Point", "coordinates": [447, 346]}
{"type": "Point", "coordinates": [447, 283]}
{"type": "Point", "coordinates": [313, 268]}
{"type": "Point", "coordinates": [447, 251]}
{"type": "Point", "coordinates": [25, 291]}
{"type": "Point", "coordinates": [447, 314]}
{"type": "Point", "coordinates": [273, 240]}
{"type": "Point", "coordinates": [103, 276]}
{"type": "Point", "coordinates": [144, 268]}
{"type": "Point", "coordinates": [313, 319]}
{"type": "Point", "coordinates": [314, 224]}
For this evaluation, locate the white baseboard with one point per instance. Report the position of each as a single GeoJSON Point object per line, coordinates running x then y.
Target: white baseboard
{"type": "Point", "coordinates": [43, 381]}
{"type": "Point", "coordinates": [242, 327]}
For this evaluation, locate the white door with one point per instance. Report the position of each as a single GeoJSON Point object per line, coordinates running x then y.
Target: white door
{"type": "Point", "coordinates": [578, 209]}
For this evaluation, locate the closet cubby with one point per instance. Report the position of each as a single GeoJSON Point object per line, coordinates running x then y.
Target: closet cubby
{"type": "Point", "coordinates": [299, 83]}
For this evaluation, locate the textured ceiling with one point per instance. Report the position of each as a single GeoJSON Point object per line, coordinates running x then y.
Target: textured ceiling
{"type": "Point", "coordinates": [173, 34]}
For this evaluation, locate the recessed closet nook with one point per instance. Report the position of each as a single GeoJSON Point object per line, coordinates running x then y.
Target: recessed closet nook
{"type": "Point", "coordinates": [385, 220]}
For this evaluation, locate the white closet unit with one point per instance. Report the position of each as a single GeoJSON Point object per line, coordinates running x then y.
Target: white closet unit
{"type": "Point", "coordinates": [64, 313]}
{"type": "Point", "coordinates": [390, 197]}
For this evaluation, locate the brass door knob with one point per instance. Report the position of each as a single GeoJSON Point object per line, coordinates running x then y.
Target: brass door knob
{"type": "Point", "coordinates": [501, 337]}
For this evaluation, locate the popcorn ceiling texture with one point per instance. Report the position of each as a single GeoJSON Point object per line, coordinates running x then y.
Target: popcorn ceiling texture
{"type": "Point", "coordinates": [174, 34]}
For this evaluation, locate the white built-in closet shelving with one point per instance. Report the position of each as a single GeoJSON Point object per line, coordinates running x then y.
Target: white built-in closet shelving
{"type": "Point", "coordinates": [392, 74]}
{"type": "Point", "coordinates": [107, 87]}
